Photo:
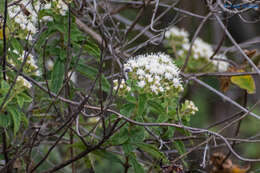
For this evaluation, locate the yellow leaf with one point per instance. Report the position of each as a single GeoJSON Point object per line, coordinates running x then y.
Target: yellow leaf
{"type": "Point", "coordinates": [1, 34]}
{"type": "Point", "coordinates": [245, 82]}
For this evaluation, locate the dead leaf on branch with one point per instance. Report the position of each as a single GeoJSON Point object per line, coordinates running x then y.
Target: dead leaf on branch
{"type": "Point", "coordinates": [244, 82]}
{"type": "Point", "coordinates": [219, 164]}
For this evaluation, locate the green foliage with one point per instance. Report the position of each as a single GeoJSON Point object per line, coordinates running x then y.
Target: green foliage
{"type": "Point", "coordinates": [107, 155]}
{"type": "Point", "coordinates": [57, 76]}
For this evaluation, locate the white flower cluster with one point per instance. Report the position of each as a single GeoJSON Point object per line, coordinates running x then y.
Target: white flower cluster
{"type": "Point", "coordinates": [25, 14]}
{"type": "Point", "coordinates": [176, 32]}
{"type": "Point", "coordinates": [122, 85]}
{"type": "Point", "coordinates": [154, 73]}
{"type": "Point", "coordinates": [200, 49]}
{"type": "Point", "coordinates": [63, 8]}
{"type": "Point", "coordinates": [30, 66]}
{"type": "Point", "coordinates": [188, 107]}
{"type": "Point", "coordinates": [22, 81]}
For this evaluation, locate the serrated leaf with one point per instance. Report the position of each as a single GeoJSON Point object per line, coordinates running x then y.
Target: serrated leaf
{"type": "Point", "coordinates": [137, 167]}
{"type": "Point", "coordinates": [141, 104]}
{"type": "Point", "coordinates": [4, 87]}
{"type": "Point", "coordinates": [89, 161]}
{"type": "Point", "coordinates": [127, 148]}
{"type": "Point", "coordinates": [16, 45]}
{"type": "Point", "coordinates": [26, 98]}
{"type": "Point", "coordinates": [179, 146]}
{"type": "Point", "coordinates": [156, 106]}
{"type": "Point", "coordinates": [108, 156]}
{"type": "Point", "coordinates": [57, 76]}
{"type": "Point", "coordinates": [5, 120]}
{"type": "Point", "coordinates": [136, 134]}
{"type": "Point", "coordinates": [24, 119]}
{"type": "Point", "coordinates": [151, 149]}
{"type": "Point", "coordinates": [92, 49]}
{"type": "Point", "coordinates": [20, 101]}
{"type": "Point", "coordinates": [245, 82]}
{"type": "Point", "coordinates": [120, 137]}
{"type": "Point", "coordinates": [127, 109]}
{"type": "Point", "coordinates": [16, 116]}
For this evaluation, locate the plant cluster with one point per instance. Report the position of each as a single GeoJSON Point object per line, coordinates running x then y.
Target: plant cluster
{"type": "Point", "coordinates": [178, 43]}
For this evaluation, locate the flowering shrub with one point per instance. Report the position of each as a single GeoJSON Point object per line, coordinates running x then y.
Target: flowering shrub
{"type": "Point", "coordinates": [178, 43]}
{"type": "Point", "coordinates": [27, 15]}
{"type": "Point", "coordinates": [66, 93]}
{"type": "Point", "coordinates": [154, 80]}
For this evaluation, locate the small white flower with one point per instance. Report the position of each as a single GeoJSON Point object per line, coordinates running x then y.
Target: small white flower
{"type": "Point", "coordinates": [38, 73]}
{"type": "Point", "coordinates": [49, 64]}
{"type": "Point", "coordinates": [140, 72]}
{"type": "Point", "coordinates": [180, 52]}
{"type": "Point", "coordinates": [31, 27]}
{"type": "Point", "coordinates": [150, 78]}
{"type": "Point", "coordinates": [191, 106]}
{"type": "Point", "coordinates": [154, 88]}
{"type": "Point", "coordinates": [168, 76]}
{"type": "Point", "coordinates": [47, 18]}
{"type": "Point", "coordinates": [196, 56]}
{"type": "Point", "coordinates": [24, 82]}
{"type": "Point", "coordinates": [47, 6]}
{"type": "Point", "coordinates": [186, 46]}
{"type": "Point", "coordinates": [115, 88]}
{"type": "Point", "coordinates": [157, 78]}
{"type": "Point", "coordinates": [161, 89]}
{"type": "Point", "coordinates": [176, 82]}
{"type": "Point", "coordinates": [121, 86]}
{"type": "Point", "coordinates": [73, 77]}
{"type": "Point", "coordinates": [128, 89]}
{"type": "Point", "coordinates": [140, 77]}
{"type": "Point", "coordinates": [141, 84]}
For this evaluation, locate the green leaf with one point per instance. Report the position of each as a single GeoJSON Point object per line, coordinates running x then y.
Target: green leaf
{"type": "Point", "coordinates": [88, 159]}
{"type": "Point", "coordinates": [91, 73]}
{"type": "Point", "coordinates": [57, 76]}
{"type": "Point", "coordinates": [141, 104]}
{"type": "Point", "coordinates": [156, 106]}
{"type": "Point", "coordinates": [92, 49]}
{"type": "Point", "coordinates": [180, 146]}
{"type": "Point", "coordinates": [162, 118]}
{"type": "Point", "coordinates": [5, 120]}
{"type": "Point", "coordinates": [127, 109]}
{"type": "Point", "coordinates": [245, 82]}
{"type": "Point", "coordinates": [20, 101]}
{"type": "Point", "coordinates": [108, 156]}
{"type": "Point", "coordinates": [24, 119]}
{"type": "Point", "coordinates": [151, 149]}
{"type": "Point", "coordinates": [16, 116]}
{"type": "Point", "coordinates": [127, 148]}
{"type": "Point", "coordinates": [137, 167]}
{"type": "Point", "coordinates": [16, 45]}
{"type": "Point", "coordinates": [136, 134]}
{"type": "Point", "coordinates": [25, 97]}
{"type": "Point", "coordinates": [4, 87]}
{"type": "Point", "coordinates": [120, 137]}
{"type": "Point", "coordinates": [87, 71]}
